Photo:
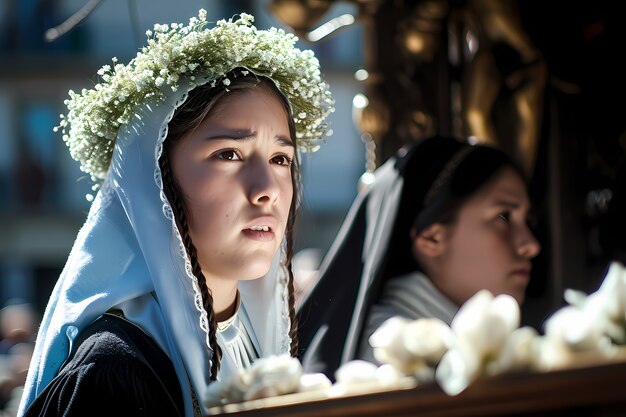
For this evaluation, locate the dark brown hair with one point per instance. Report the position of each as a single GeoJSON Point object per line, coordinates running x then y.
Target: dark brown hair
{"type": "Point", "coordinates": [199, 104]}
{"type": "Point", "coordinates": [420, 168]}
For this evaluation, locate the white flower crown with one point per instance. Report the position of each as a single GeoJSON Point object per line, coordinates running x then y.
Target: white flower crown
{"type": "Point", "coordinates": [196, 55]}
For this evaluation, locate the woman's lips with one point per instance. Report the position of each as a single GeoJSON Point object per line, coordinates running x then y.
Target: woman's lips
{"type": "Point", "coordinates": [261, 229]}
{"type": "Point", "coordinates": [260, 235]}
{"type": "Point", "coordinates": [521, 274]}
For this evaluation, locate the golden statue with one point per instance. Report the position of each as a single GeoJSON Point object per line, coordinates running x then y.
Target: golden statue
{"type": "Point", "coordinates": [503, 85]}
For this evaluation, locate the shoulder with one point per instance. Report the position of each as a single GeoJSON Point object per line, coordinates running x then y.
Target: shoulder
{"type": "Point", "coordinates": [114, 369]}
{"type": "Point", "coordinates": [114, 342]}
{"type": "Point", "coordinates": [415, 296]}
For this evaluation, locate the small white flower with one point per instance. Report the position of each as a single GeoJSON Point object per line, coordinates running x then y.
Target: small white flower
{"type": "Point", "coordinates": [359, 376]}
{"type": "Point", "coordinates": [356, 372]}
{"type": "Point", "coordinates": [592, 325]}
{"type": "Point", "coordinates": [388, 345]}
{"type": "Point", "coordinates": [458, 368]}
{"type": "Point", "coordinates": [429, 339]}
{"type": "Point", "coordinates": [518, 353]}
{"type": "Point", "coordinates": [314, 382]}
{"type": "Point", "coordinates": [274, 375]}
{"type": "Point", "coordinates": [266, 377]}
{"type": "Point", "coordinates": [481, 329]}
{"type": "Point", "coordinates": [485, 322]}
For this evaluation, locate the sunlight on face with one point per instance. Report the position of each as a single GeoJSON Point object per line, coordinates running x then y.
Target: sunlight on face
{"type": "Point", "coordinates": [234, 171]}
{"type": "Point", "coordinates": [489, 245]}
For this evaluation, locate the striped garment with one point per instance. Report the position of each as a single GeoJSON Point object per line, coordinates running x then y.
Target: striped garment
{"type": "Point", "coordinates": [411, 296]}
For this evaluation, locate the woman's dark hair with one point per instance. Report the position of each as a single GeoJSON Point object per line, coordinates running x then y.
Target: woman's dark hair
{"type": "Point", "coordinates": [440, 174]}
{"type": "Point", "coordinates": [188, 117]}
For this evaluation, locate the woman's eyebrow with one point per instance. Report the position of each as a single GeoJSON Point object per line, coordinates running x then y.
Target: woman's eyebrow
{"type": "Point", "coordinates": [245, 135]}
{"type": "Point", "coordinates": [507, 203]}
{"type": "Point", "coordinates": [510, 204]}
{"type": "Point", "coordinates": [231, 134]}
{"type": "Point", "coordinates": [284, 141]}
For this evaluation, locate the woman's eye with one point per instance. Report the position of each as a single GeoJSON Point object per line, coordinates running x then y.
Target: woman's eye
{"type": "Point", "coordinates": [282, 160]}
{"type": "Point", "coordinates": [228, 155]}
{"type": "Point", "coordinates": [505, 217]}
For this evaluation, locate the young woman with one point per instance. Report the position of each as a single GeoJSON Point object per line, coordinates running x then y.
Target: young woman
{"type": "Point", "coordinates": [443, 220]}
{"type": "Point", "coordinates": [182, 271]}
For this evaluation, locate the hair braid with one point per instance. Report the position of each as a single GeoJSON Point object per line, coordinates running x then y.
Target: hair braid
{"type": "Point", "coordinates": [293, 331]}
{"type": "Point", "coordinates": [173, 195]}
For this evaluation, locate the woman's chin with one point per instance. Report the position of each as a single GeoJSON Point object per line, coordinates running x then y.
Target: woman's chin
{"type": "Point", "coordinates": [255, 270]}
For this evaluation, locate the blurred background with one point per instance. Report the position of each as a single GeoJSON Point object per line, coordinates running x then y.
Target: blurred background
{"type": "Point", "coordinates": [543, 80]}
{"type": "Point", "coordinates": [42, 191]}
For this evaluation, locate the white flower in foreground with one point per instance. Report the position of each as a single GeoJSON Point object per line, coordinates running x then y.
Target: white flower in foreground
{"type": "Point", "coordinates": [485, 338]}
{"type": "Point", "coordinates": [412, 347]}
{"type": "Point", "coordinates": [518, 352]}
{"type": "Point", "coordinates": [272, 376]}
{"type": "Point", "coordinates": [481, 329]}
{"type": "Point", "coordinates": [314, 382]}
{"type": "Point", "coordinates": [592, 325]}
{"type": "Point", "coordinates": [361, 376]}
{"type": "Point", "coordinates": [605, 311]}
{"type": "Point", "coordinates": [266, 377]}
{"type": "Point", "coordinates": [356, 372]}
{"type": "Point", "coordinates": [613, 292]}
{"type": "Point", "coordinates": [229, 390]}
{"type": "Point", "coordinates": [556, 350]}
{"type": "Point", "coordinates": [553, 351]}
{"type": "Point", "coordinates": [458, 368]}
{"type": "Point", "coordinates": [388, 346]}
{"type": "Point", "coordinates": [485, 322]}
{"type": "Point", "coordinates": [428, 338]}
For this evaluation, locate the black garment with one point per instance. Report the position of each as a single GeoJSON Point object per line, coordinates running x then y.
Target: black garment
{"type": "Point", "coordinates": [330, 319]}
{"type": "Point", "coordinates": [115, 369]}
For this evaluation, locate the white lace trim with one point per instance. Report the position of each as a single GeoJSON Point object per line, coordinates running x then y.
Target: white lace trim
{"type": "Point", "coordinates": [223, 325]}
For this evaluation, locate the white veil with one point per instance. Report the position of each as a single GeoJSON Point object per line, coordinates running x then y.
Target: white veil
{"type": "Point", "coordinates": [129, 255]}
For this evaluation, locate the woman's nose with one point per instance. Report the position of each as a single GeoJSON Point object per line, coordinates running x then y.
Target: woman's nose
{"type": "Point", "coordinates": [528, 246]}
{"type": "Point", "coordinates": [263, 187]}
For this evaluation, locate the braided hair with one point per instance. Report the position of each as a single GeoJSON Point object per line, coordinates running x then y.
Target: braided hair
{"type": "Point", "coordinates": [189, 116]}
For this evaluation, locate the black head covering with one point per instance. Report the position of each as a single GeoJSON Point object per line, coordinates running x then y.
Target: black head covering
{"type": "Point", "coordinates": [423, 184]}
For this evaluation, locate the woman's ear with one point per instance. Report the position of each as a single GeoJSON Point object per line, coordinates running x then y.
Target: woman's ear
{"type": "Point", "coordinates": [430, 242]}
